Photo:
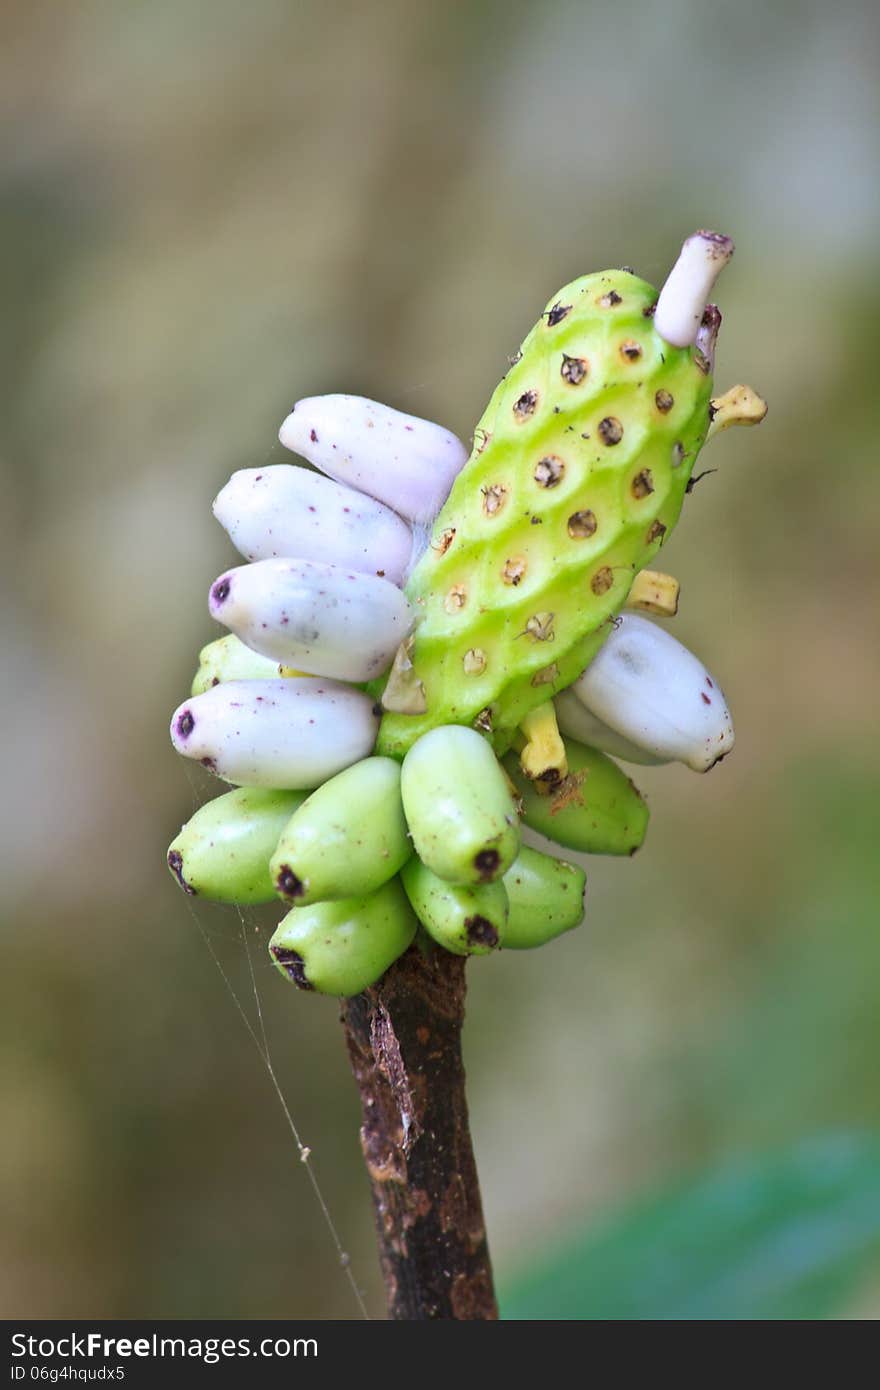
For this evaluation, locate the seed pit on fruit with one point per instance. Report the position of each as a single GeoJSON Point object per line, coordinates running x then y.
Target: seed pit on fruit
{"type": "Point", "coordinates": [185, 724]}
{"type": "Point", "coordinates": [486, 863]}
{"type": "Point", "coordinates": [525, 406]}
{"type": "Point", "coordinates": [549, 470]}
{"type": "Point", "coordinates": [540, 627]}
{"type": "Point", "coordinates": [664, 400]}
{"type": "Point", "coordinates": [557, 314]}
{"type": "Point", "coordinates": [609, 300]}
{"type": "Point", "coordinates": [573, 369]}
{"type": "Point", "coordinates": [582, 524]}
{"type": "Point", "coordinates": [480, 931]}
{"type": "Point", "coordinates": [656, 532]}
{"type": "Point", "coordinates": [602, 580]}
{"type": "Point", "coordinates": [293, 966]}
{"type": "Point", "coordinates": [610, 430]}
{"type": "Point", "coordinates": [514, 570]}
{"type": "Point", "coordinates": [677, 454]}
{"type": "Point", "coordinates": [444, 540]}
{"type": "Point", "coordinates": [456, 599]}
{"type": "Point", "coordinates": [220, 591]}
{"type": "Point", "coordinates": [630, 350]}
{"type": "Point", "coordinates": [494, 498]}
{"type": "Point", "coordinates": [642, 484]}
{"type": "Point", "coordinates": [474, 661]}
{"type": "Point", "coordinates": [481, 439]}
{"type": "Point", "coordinates": [547, 675]}
{"type": "Point", "coordinates": [175, 864]}
{"type": "Point", "coordinates": [288, 884]}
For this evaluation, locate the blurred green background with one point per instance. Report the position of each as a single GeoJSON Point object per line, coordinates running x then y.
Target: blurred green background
{"type": "Point", "coordinates": [210, 209]}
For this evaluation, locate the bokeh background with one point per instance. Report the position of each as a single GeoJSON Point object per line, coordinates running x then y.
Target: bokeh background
{"type": "Point", "coordinates": [209, 209]}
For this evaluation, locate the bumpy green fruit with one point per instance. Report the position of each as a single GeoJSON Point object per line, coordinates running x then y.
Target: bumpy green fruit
{"type": "Point", "coordinates": [346, 839]}
{"type": "Point", "coordinates": [223, 852]}
{"type": "Point", "coordinates": [461, 814]}
{"type": "Point", "coordinates": [344, 947]}
{"type": "Point", "coordinates": [578, 474]}
{"type": "Point", "coordinates": [546, 898]}
{"type": "Point", "coordinates": [466, 921]}
{"type": "Point", "coordinates": [596, 809]}
{"type": "Point", "coordinates": [228, 659]}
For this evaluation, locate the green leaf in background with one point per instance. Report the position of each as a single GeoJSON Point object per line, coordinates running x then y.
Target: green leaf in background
{"type": "Point", "coordinates": [791, 1235]}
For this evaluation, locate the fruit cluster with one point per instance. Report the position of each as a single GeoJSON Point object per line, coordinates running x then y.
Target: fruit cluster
{"type": "Point", "coordinates": [415, 631]}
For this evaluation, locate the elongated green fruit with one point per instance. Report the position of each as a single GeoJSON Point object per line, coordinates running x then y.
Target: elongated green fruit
{"type": "Point", "coordinates": [223, 852]}
{"type": "Point", "coordinates": [228, 659]}
{"type": "Point", "coordinates": [546, 898]}
{"type": "Point", "coordinates": [346, 839]}
{"type": "Point", "coordinates": [596, 809]}
{"type": "Point", "coordinates": [578, 474]}
{"type": "Point", "coordinates": [458, 805]}
{"type": "Point", "coordinates": [344, 947]}
{"type": "Point", "coordinates": [469, 921]}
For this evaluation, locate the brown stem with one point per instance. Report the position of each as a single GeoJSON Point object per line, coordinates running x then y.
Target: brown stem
{"type": "Point", "coordinates": [404, 1042]}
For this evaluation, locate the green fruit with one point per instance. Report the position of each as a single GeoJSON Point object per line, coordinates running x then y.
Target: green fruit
{"type": "Point", "coordinates": [228, 659]}
{"type": "Point", "coordinates": [223, 852]}
{"type": "Point", "coordinates": [458, 804]}
{"type": "Point", "coordinates": [546, 898]}
{"type": "Point", "coordinates": [578, 474]}
{"type": "Point", "coordinates": [344, 947]}
{"type": "Point", "coordinates": [466, 921]}
{"type": "Point", "coordinates": [346, 839]}
{"type": "Point", "coordinates": [596, 809]}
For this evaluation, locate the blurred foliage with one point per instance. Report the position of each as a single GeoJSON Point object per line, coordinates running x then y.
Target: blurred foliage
{"type": "Point", "coordinates": [208, 210]}
{"type": "Point", "coordinates": [781, 1238]}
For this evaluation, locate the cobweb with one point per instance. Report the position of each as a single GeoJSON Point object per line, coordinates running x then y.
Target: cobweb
{"type": "Point", "coordinates": [255, 1029]}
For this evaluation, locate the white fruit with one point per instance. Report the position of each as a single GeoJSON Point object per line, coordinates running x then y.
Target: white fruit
{"type": "Point", "coordinates": [317, 618]}
{"type": "Point", "coordinates": [579, 723]}
{"type": "Point", "coordinates": [408, 463]}
{"type": "Point", "coordinates": [650, 689]}
{"type": "Point", "coordinates": [292, 733]}
{"type": "Point", "coordinates": [683, 298]}
{"type": "Point", "coordinates": [288, 511]}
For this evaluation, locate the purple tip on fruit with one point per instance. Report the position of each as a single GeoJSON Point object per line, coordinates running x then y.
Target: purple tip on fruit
{"type": "Point", "coordinates": [220, 591]}
{"type": "Point", "coordinates": [486, 863]}
{"type": "Point", "coordinates": [287, 883]}
{"type": "Point", "coordinates": [175, 864]}
{"type": "Point", "coordinates": [292, 964]}
{"type": "Point", "coordinates": [185, 724]}
{"type": "Point", "coordinates": [480, 932]}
